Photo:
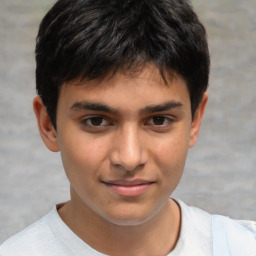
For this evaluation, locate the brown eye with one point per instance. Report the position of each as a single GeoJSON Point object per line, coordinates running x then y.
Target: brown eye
{"type": "Point", "coordinates": [96, 121]}
{"type": "Point", "coordinates": [159, 120]}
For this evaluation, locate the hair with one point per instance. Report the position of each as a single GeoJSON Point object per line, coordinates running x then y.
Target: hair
{"type": "Point", "coordinates": [89, 39]}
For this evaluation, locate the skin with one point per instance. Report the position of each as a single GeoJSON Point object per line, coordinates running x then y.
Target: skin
{"type": "Point", "coordinates": [124, 142]}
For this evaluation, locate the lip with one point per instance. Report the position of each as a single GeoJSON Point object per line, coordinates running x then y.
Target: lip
{"type": "Point", "coordinates": [128, 188]}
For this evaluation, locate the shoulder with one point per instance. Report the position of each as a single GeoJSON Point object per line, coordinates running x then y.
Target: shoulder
{"type": "Point", "coordinates": [32, 240]}
{"type": "Point", "coordinates": [215, 234]}
{"type": "Point", "coordinates": [233, 237]}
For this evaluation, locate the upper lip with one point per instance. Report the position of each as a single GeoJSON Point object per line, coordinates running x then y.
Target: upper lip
{"type": "Point", "coordinates": [127, 182]}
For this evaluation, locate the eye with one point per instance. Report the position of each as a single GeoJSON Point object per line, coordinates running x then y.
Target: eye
{"type": "Point", "coordinates": [95, 122]}
{"type": "Point", "coordinates": [159, 121]}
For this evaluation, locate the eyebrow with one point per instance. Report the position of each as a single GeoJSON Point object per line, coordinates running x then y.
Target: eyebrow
{"type": "Point", "coordinates": [161, 107]}
{"type": "Point", "coordinates": [95, 106]}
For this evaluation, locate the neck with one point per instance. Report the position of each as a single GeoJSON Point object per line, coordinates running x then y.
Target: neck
{"type": "Point", "coordinates": [157, 236]}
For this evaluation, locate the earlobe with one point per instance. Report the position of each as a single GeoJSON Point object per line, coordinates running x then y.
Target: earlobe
{"type": "Point", "coordinates": [196, 124]}
{"type": "Point", "coordinates": [46, 129]}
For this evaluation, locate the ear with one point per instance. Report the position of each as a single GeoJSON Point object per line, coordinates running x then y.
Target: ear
{"type": "Point", "coordinates": [46, 129]}
{"type": "Point", "coordinates": [196, 123]}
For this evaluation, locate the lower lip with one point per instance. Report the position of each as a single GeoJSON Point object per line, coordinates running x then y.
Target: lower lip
{"type": "Point", "coordinates": [129, 191]}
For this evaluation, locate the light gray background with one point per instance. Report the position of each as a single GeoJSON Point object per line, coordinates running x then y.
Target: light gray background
{"type": "Point", "coordinates": [220, 175]}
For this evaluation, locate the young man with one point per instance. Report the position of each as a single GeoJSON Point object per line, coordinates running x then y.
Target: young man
{"type": "Point", "coordinates": [122, 92]}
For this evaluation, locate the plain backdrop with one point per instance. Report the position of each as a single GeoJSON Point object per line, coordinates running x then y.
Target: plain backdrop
{"type": "Point", "coordinates": [220, 175]}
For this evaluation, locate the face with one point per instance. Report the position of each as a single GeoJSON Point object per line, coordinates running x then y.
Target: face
{"type": "Point", "coordinates": [124, 142]}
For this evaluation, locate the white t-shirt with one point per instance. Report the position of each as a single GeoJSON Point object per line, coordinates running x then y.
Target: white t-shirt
{"type": "Point", "coordinates": [50, 236]}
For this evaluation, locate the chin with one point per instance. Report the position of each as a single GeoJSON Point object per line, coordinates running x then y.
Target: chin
{"type": "Point", "coordinates": [128, 221]}
{"type": "Point", "coordinates": [130, 217]}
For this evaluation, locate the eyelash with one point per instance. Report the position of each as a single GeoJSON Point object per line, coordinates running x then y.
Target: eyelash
{"type": "Point", "coordinates": [167, 120]}
{"type": "Point", "coordinates": [87, 122]}
{"type": "Point", "coordinates": [88, 119]}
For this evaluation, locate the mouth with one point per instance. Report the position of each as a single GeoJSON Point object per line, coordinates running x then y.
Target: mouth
{"type": "Point", "coordinates": [128, 188]}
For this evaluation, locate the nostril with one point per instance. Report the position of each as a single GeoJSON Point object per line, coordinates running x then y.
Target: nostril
{"type": "Point", "coordinates": [128, 162]}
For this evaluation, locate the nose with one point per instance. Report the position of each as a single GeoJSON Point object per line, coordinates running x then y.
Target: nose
{"type": "Point", "coordinates": [129, 152]}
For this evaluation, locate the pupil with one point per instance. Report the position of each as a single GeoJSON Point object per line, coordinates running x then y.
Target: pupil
{"type": "Point", "coordinates": [158, 120]}
{"type": "Point", "coordinates": [96, 121]}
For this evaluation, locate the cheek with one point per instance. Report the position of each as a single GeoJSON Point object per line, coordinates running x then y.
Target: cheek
{"type": "Point", "coordinates": [82, 157]}
{"type": "Point", "coordinates": [170, 156]}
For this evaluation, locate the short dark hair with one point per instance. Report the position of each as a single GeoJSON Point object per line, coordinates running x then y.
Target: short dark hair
{"type": "Point", "coordinates": [91, 38]}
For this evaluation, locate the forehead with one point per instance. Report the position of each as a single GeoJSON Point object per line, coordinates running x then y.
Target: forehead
{"type": "Point", "coordinates": [127, 89]}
